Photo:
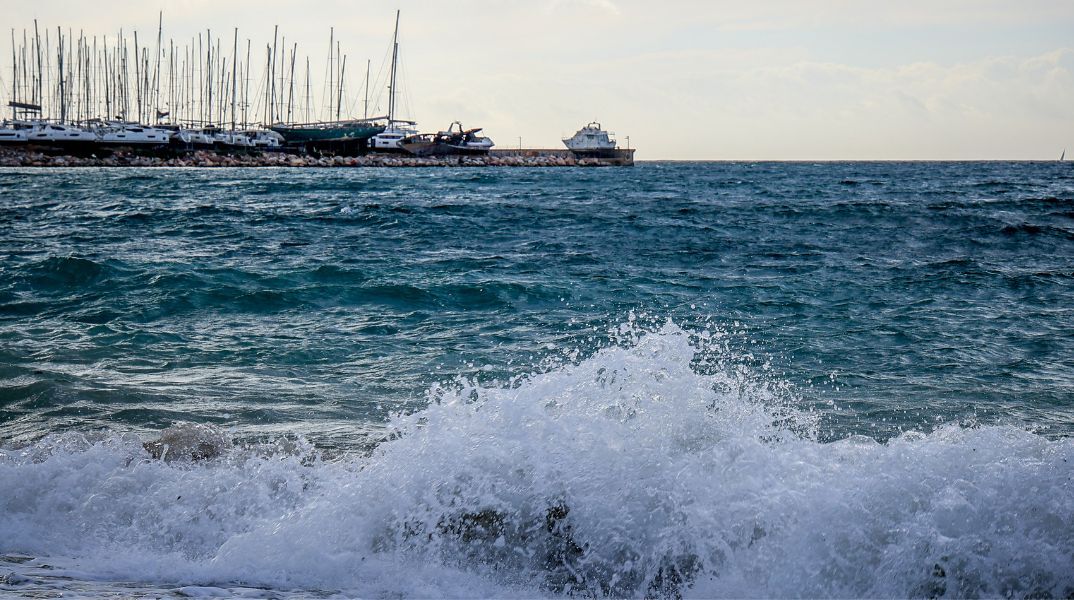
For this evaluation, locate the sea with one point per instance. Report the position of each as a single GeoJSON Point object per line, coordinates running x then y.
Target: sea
{"type": "Point", "coordinates": [677, 380]}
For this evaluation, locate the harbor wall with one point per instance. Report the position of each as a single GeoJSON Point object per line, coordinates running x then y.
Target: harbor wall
{"type": "Point", "coordinates": [617, 157]}
{"type": "Point", "coordinates": [37, 156]}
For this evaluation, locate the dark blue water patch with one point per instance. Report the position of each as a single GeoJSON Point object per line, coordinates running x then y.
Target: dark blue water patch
{"type": "Point", "coordinates": [909, 281]}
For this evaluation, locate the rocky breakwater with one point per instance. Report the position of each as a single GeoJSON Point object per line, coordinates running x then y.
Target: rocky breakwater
{"type": "Point", "coordinates": [25, 158]}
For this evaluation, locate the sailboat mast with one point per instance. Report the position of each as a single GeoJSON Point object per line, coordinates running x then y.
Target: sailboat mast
{"type": "Point", "coordinates": [59, 67]}
{"type": "Point", "coordinates": [209, 75]}
{"type": "Point", "coordinates": [365, 105]}
{"type": "Point", "coordinates": [37, 82]}
{"type": "Point", "coordinates": [137, 79]}
{"type": "Point", "coordinates": [395, 56]}
{"type": "Point", "coordinates": [331, 67]}
{"type": "Point", "coordinates": [272, 75]}
{"type": "Point", "coordinates": [156, 71]}
{"type": "Point", "coordinates": [246, 87]}
{"type": "Point", "coordinates": [268, 84]}
{"type": "Point", "coordinates": [234, 76]}
{"type": "Point", "coordinates": [342, 72]}
{"type": "Point", "coordinates": [14, 77]}
{"type": "Point", "coordinates": [291, 87]}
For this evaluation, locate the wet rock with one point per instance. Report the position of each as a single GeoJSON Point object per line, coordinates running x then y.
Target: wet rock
{"type": "Point", "coordinates": [189, 442]}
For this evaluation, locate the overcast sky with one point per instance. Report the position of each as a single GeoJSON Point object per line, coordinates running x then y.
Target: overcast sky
{"type": "Point", "coordinates": [810, 80]}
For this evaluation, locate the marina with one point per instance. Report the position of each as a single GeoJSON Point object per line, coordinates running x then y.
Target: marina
{"type": "Point", "coordinates": [80, 100]}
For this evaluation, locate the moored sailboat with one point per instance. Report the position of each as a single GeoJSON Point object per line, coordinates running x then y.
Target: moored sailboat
{"type": "Point", "coordinates": [391, 139]}
{"type": "Point", "coordinates": [122, 133]}
{"type": "Point", "coordinates": [14, 132]}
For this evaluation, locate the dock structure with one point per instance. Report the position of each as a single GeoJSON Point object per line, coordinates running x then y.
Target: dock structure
{"type": "Point", "coordinates": [618, 157]}
{"type": "Point", "coordinates": [39, 156]}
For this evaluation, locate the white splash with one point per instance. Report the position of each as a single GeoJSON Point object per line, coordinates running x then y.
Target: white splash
{"type": "Point", "coordinates": [626, 474]}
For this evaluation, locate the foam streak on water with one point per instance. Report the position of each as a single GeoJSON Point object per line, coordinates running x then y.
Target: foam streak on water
{"type": "Point", "coordinates": [627, 473]}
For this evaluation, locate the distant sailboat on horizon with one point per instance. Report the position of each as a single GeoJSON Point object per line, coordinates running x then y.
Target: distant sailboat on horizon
{"type": "Point", "coordinates": [1063, 155]}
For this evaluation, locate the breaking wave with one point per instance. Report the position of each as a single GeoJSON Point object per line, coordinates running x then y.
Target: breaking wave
{"type": "Point", "coordinates": [650, 468]}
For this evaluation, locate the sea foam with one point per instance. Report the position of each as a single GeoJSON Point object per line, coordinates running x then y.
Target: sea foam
{"type": "Point", "coordinates": [633, 472]}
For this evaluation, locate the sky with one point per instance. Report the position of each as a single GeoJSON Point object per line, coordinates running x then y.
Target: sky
{"type": "Point", "coordinates": [684, 79]}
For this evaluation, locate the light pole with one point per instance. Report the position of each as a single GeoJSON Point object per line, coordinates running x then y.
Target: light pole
{"type": "Point", "coordinates": [519, 142]}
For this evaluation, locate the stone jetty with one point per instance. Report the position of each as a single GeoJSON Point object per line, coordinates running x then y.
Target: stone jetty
{"type": "Point", "coordinates": [29, 157]}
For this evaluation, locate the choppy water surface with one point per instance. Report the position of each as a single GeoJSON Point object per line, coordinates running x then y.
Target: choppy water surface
{"type": "Point", "coordinates": [707, 379]}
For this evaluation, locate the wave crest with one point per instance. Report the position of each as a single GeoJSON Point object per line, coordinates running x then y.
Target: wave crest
{"type": "Point", "coordinates": [647, 469]}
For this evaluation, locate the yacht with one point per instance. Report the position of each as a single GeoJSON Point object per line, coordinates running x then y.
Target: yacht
{"type": "Point", "coordinates": [132, 134]}
{"type": "Point", "coordinates": [264, 139]}
{"type": "Point", "coordinates": [43, 132]}
{"type": "Point", "coordinates": [226, 139]}
{"type": "Point", "coordinates": [391, 139]}
{"type": "Point", "coordinates": [13, 132]}
{"type": "Point", "coordinates": [591, 140]}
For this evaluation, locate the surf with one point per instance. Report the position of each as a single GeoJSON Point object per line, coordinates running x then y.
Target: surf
{"type": "Point", "coordinates": [656, 466]}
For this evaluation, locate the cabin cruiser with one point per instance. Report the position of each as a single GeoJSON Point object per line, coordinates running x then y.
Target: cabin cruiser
{"type": "Point", "coordinates": [591, 140]}
{"type": "Point", "coordinates": [132, 134]}
{"type": "Point", "coordinates": [455, 140]}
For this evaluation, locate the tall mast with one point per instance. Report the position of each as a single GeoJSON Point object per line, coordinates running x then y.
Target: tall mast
{"type": "Point", "coordinates": [395, 56]}
{"type": "Point", "coordinates": [14, 77]}
{"type": "Point", "coordinates": [137, 78]}
{"type": "Point", "coordinates": [342, 72]}
{"type": "Point", "coordinates": [46, 91]}
{"type": "Point", "coordinates": [365, 105]}
{"type": "Point", "coordinates": [201, 83]}
{"type": "Point", "coordinates": [209, 74]}
{"type": "Point", "coordinates": [291, 87]}
{"type": "Point", "coordinates": [331, 66]}
{"type": "Point", "coordinates": [59, 66]}
{"type": "Point", "coordinates": [246, 86]}
{"type": "Point", "coordinates": [268, 75]}
{"type": "Point", "coordinates": [281, 59]}
{"type": "Point", "coordinates": [37, 82]}
{"type": "Point", "coordinates": [156, 72]}
{"type": "Point", "coordinates": [171, 81]}
{"type": "Point", "coordinates": [272, 75]}
{"type": "Point", "coordinates": [234, 73]}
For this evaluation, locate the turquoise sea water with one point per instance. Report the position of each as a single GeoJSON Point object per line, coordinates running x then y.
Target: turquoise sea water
{"type": "Point", "coordinates": [708, 379]}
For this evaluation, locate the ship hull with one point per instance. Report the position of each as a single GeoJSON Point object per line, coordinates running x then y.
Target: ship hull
{"type": "Point", "coordinates": [437, 149]}
{"type": "Point", "coordinates": [328, 133]}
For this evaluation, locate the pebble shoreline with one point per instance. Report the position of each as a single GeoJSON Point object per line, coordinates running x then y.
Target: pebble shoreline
{"type": "Point", "coordinates": [23, 158]}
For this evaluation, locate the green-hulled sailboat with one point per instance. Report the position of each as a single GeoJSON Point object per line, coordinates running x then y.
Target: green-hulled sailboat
{"type": "Point", "coordinates": [332, 131]}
